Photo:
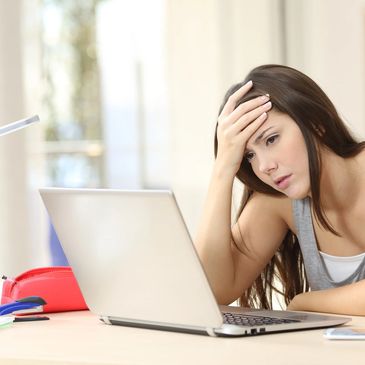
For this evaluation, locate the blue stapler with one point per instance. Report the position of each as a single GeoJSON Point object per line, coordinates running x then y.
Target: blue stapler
{"type": "Point", "coordinates": [23, 306]}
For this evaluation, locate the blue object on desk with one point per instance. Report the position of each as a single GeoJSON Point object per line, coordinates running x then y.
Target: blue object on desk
{"type": "Point", "coordinates": [22, 306]}
{"type": "Point", "coordinates": [57, 254]}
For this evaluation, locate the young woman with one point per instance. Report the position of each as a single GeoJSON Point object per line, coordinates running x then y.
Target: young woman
{"type": "Point", "coordinates": [300, 230]}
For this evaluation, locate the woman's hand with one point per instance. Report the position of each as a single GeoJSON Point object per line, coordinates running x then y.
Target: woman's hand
{"type": "Point", "coordinates": [298, 302]}
{"type": "Point", "coordinates": [236, 125]}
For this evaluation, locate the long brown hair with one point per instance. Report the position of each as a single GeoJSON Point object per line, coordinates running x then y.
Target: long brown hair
{"type": "Point", "coordinates": [295, 94]}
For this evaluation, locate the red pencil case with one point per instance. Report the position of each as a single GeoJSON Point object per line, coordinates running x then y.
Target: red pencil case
{"type": "Point", "coordinates": [56, 285]}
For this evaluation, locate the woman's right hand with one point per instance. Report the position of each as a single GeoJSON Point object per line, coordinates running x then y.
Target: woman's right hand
{"type": "Point", "coordinates": [236, 125]}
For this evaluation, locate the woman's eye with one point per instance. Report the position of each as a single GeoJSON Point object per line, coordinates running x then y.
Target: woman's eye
{"type": "Point", "coordinates": [249, 156]}
{"type": "Point", "coordinates": [271, 139]}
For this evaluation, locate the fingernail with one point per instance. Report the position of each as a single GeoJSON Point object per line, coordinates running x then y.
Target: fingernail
{"type": "Point", "coordinates": [249, 82]}
{"type": "Point", "coordinates": [265, 97]}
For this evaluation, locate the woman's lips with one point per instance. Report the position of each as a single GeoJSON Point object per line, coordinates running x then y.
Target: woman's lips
{"type": "Point", "coordinates": [284, 182]}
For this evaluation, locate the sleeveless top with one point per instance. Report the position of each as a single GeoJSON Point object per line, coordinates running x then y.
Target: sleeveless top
{"type": "Point", "coordinates": [341, 267]}
{"type": "Point", "coordinates": [315, 268]}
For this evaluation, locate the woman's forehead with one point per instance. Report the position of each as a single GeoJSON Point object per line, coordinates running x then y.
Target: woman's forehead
{"type": "Point", "coordinates": [274, 119]}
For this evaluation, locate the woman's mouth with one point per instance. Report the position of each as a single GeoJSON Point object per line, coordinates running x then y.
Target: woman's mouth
{"type": "Point", "coordinates": [283, 182]}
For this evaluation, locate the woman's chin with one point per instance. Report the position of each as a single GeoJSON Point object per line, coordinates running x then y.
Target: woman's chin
{"type": "Point", "coordinates": [296, 194]}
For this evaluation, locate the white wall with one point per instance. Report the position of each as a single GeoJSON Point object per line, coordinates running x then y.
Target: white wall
{"type": "Point", "coordinates": [19, 245]}
{"type": "Point", "coordinates": [326, 40]}
{"type": "Point", "coordinates": [210, 45]}
{"type": "Point", "coordinates": [214, 43]}
{"type": "Point", "coordinates": [13, 208]}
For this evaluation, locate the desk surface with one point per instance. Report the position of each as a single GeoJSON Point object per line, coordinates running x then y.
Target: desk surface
{"type": "Point", "coordinates": [80, 338]}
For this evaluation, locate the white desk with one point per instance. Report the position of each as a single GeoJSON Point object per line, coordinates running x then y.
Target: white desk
{"type": "Point", "coordinates": [80, 338]}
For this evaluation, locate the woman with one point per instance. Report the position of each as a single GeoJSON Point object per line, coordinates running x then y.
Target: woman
{"type": "Point", "coordinates": [300, 224]}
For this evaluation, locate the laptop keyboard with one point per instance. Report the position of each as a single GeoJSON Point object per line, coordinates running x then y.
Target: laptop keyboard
{"type": "Point", "coordinates": [252, 320]}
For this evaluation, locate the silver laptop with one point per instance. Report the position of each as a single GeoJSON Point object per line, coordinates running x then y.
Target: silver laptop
{"type": "Point", "coordinates": [136, 266]}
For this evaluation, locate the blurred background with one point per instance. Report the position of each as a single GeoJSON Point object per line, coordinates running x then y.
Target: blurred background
{"type": "Point", "coordinates": [128, 94]}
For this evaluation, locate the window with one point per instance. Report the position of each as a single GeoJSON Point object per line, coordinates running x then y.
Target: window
{"type": "Point", "coordinates": [104, 102]}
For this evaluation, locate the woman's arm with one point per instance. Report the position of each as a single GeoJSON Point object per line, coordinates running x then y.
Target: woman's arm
{"type": "Point", "coordinates": [228, 270]}
{"type": "Point", "coordinates": [213, 241]}
{"type": "Point", "coordinates": [259, 232]}
{"type": "Point", "coordinates": [348, 299]}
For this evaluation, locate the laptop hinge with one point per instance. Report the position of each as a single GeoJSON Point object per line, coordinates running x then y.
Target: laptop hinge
{"type": "Point", "coordinates": [105, 319]}
{"type": "Point", "coordinates": [158, 326]}
{"type": "Point", "coordinates": [211, 332]}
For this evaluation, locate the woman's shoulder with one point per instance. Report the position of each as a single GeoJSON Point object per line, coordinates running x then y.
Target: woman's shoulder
{"type": "Point", "coordinates": [279, 205]}
{"type": "Point", "coordinates": [360, 158]}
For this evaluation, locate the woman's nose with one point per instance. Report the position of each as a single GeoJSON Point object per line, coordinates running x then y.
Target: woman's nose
{"type": "Point", "coordinates": [267, 165]}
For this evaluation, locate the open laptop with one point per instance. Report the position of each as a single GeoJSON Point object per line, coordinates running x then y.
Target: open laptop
{"type": "Point", "coordinates": [136, 265]}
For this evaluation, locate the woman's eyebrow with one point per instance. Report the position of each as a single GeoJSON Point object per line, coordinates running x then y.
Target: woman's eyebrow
{"type": "Point", "coordinates": [258, 138]}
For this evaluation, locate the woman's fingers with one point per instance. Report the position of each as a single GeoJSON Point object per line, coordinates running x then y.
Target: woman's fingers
{"type": "Point", "coordinates": [246, 119]}
{"type": "Point", "coordinates": [237, 124]}
{"type": "Point", "coordinates": [246, 108]}
{"type": "Point", "coordinates": [250, 129]}
{"type": "Point", "coordinates": [234, 98]}
{"type": "Point", "coordinates": [232, 145]}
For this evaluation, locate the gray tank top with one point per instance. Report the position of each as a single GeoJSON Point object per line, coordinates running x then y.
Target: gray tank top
{"type": "Point", "coordinates": [317, 274]}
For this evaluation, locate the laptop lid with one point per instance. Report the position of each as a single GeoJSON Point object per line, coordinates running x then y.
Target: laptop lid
{"type": "Point", "coordinates": [132, 256]}
{"type": "Point", "coordinates": [136, 265]}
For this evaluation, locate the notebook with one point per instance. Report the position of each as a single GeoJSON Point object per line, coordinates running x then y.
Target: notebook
{"type": "Point", "coordinates": [136, 265]}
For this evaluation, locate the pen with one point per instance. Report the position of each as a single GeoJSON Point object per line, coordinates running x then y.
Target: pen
{"type": "Point", "coordinates": [30, 319]}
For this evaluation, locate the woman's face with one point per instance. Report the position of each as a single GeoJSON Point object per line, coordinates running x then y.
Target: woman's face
{"type": "Point", "coordinates": [278, 156]}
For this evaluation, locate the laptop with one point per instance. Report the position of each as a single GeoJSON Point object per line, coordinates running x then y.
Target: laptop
{"type": "Point", "coordinates": [136, 265]}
